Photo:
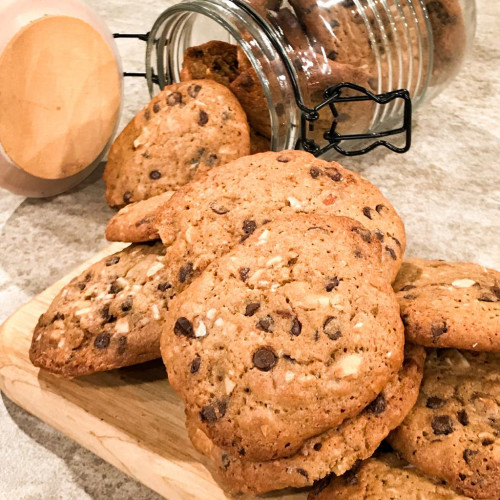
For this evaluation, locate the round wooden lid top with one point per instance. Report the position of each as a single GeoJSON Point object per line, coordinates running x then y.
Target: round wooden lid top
{"type": "Point", "coordinates": [60, 93]}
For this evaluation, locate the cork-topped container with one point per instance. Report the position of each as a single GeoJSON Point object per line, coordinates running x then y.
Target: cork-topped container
{"type": "Point", "coordinates": [60, 94]}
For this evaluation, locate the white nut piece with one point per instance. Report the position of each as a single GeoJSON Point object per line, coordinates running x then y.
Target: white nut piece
{"type": "Point", "coordinates": [157, 266]}
{"type": "Point", "coordinates": [348, 365]}
{"type": "Point", "coordinates": [201, 330]}
{"type": "Point", "coordinates": [155, 311]}
{"type": "Point", "coordinates": [464, 283]}
{"type": "Point", "coordinates": [122, 326]}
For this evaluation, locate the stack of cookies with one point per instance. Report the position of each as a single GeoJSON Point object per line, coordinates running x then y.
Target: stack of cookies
{"type": "Point", "coordinates": [274, 288]}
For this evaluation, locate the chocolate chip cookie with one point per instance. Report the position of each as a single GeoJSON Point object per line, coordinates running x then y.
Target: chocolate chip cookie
{"type": "Point", "coordinates": [107, 317]}
{"type": "Point", "coordinates": [213, 60]}
{"type": "Point", "coordinates": [203, 220]}
{"type": "Point", "coordinates": [136, 222]}
{"type": "Point", "coordinates": [285, 336]}
{"type": "Point", "coordinates": [336, 450]}
{"type": "Point", "coordinates": [185, 127]}
{"type": "Point", "coordinates": [385, 477]}
{"type": "Point", "coordinates": [453, 432]}
{"type": "Point", "coordinates": [450, 304]}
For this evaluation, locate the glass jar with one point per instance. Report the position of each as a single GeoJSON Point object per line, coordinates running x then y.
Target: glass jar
{"type": "Point", "coordinates": [299, 48]}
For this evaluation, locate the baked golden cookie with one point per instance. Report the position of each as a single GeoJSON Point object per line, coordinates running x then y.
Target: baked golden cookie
{"type": "Point", "coordinates": [453, 432]}
{"type": "Point", "coordinates": [336, 450]}
{"type": "Point", "coordinates": [450, 304]}
{"type": "Point", "coordinates": [187, 126]}
{"type": "Point", "coordinates": [109, 316]}
{"type": "Point", "coordinates": [285, 336]}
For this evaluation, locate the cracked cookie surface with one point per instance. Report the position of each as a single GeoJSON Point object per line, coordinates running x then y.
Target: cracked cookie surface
{"type": "Point", "coordinates": [186, 127]}
{"type": "Point", "coordinates": [453, 432]}
{"type": "Point", "coordinates": [286, 336]}
{"type": "Point", "coordinates": [450, 304]}
{"type": "Point", "coordinates": [107, 317]}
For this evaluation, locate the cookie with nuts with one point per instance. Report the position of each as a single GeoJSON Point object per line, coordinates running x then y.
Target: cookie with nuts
{"type": "Point", "coordinates": [206, 218]}
{"type": "Point", "coordinates": [450, 304]}
{"type": "Point", "coordinates": [107, 317]}
{"type": "Point", "coordinates": [136, 222]}
{"type": "Point", "coordinates": [187, 126]}
{"type": "Point", "coordinates": [453, 432]}
{"type": "Point", "coordinates": [385, 476]}
{"type": "Point", "coordinates": [285, 336]}
{"type": "Point", "coordinates": [335, 451]}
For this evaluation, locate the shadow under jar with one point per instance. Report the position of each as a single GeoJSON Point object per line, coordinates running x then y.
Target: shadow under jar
{"type": "Point", "coordinates": [292, 51]}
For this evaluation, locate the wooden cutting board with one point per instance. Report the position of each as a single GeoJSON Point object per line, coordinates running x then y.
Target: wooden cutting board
{"type": "Point", "coordinates": [130, 417]}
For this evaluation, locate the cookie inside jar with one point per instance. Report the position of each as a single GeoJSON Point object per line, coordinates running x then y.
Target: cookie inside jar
{"type": "Point", "coordinates": [279, 58]}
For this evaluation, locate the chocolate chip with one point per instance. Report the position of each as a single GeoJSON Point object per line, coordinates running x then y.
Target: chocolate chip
{"type": "Point", "coordinates": [197, 53]}
{"type": "Point", "coordinates": [304, 473]}
{"type": "Point", "coordinates": [183, 327]}
{"type": "Point", "coordinates": [332, 283]}
{"type": "Point", "coordinates": [364, 233]}
{"type": "Point", "coordinates": [367, 212]}
{"type": "Point", "coordinates": [247, 82]}
{"type": "Point", "coordinates": [462, 477]}
{"type": "Point", "coordinates": [378, 405]}
{"type": "Point", "coordinates": [174, 99]}
{"type": "Point", "coordinates": [242, 452]}
{"type": "Point", "coordinates": [264, 359]}
{"type": "Point", "coordinates": [348, 3]}
{"type": "Point", "coordinates": [81, 286]}
{"type": "Point", "coordinates": [434, 403]}
{"type": "Point", "coordinates": [462, 417]}
{"type": "Point", "coordinates": [333, 54]}
{"type": "Point", "coordinates": [296, 328]}
{"type": "Point", "coordinates": [333, 174]}
{"type": "Point", "coordinates": [252, 308]}
{"type": "Point", "coordinates": [194, 90]}
{"type": "Point", "coordinates": [410, 296]}
{"type": "Point", "coordinates": [225, 461]}
{"type": "Point", "coordinates": [391, 252]}
{"type": "Point", "coordinates": [318, 446]}
{"type": "Point", "coordinates": [147, 114]}
{"type": "Point", "coordinates": [468, 454]}
{"type": "Point", "coordinates": [358, 254]}
{"type": "Point", "coordinates": [115, 288]}
{"type": "Point", "coordinates": [438, 329]}
{"type": "Point", "coordinates": [155, 175]}
{"type": "Point", "coordinates": [122, 345]}
{"type": "Point", "coordinates": [218, 208]}
{"type": "Point", "coordinates": [334, 23]}
{"type": "Point", "coordinates": [127, 304]}
{"type": "Point", "coordinates": [442, 425]}
{"type": "Point", "coordinates": [213, 412]}
{"type": "Point", "coordinates": [127, 197]}
{"type": "Point", "coordinates": [407, 287]}
{"type": "Point", "coordinates": [203, 118]}
{"type": "Point", "coordinates": [266, 324]}
{"type": "Point", "coordinates": [379, 235]}
{"type": "Point", "coordinates": [398, 243]}
{"type": "Point", "coordinates": [283, 159]}
{"type": "Point", "coordinates": [380, 208]}
{"type": "Point", "coordinates": [195, 364]}
{"type": "Point", "coordinates": [487, 442]}
{"type": "Point", "coordinates": [163, 287]}
{"type": "Point", "coordinates": [58, 316]}
{"type": "Point", "coordinates": [314, 172]}
{"type": "Point", "coordinates": [244, 273]}
{"type": "Point", "coordinates": [249, 226]}
{"type": "Point", "coordinates": [211, 160]}
{"type": "Point", "coordinates": [112, 260]}
{"type": "Point", "coordinates": [156, 107]}
{"type": "Point", "coordinates": [185, 272]}
{"type": "Point", "coordinates": [102, 341]}
{"type": "Point", "coordinates": [332, 328]}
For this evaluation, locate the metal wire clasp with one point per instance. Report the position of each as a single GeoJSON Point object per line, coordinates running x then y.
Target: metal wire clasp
{"type": "Point", "coordinates": [334, 95]}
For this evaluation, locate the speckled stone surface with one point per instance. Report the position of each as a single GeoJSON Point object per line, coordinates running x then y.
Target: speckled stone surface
{"type": "Point", "coordinates": [446, 188]}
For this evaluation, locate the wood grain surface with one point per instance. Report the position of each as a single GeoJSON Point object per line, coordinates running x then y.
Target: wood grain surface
{"type": "Point", "coordinates": [130, 417]}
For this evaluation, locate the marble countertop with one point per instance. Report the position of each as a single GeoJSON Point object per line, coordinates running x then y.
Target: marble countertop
{"type": "Point", "coordinates": [446, 189]}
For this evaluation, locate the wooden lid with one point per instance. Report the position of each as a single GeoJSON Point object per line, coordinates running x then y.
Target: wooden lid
{"type": "Point", "coordinates": [60, 93]}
